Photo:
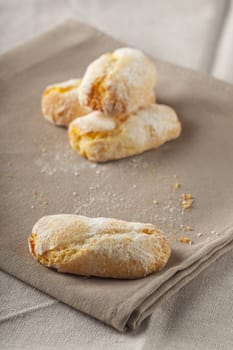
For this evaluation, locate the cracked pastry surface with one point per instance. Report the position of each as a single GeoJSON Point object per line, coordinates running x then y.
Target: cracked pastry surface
{"type": "Point", "coordinates": [101, 247]}
{"type": "Point", "coordinates": [119, 82]}
{"type": "Point", "coordinates": [101, 138]}
{"type": "Point", "coordinates": [60, 102]}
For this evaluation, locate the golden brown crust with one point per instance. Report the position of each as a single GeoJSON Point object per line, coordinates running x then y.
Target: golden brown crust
{"type": "Point", "coordinates": [98, 246]}
{"type": "Point", "coordinates": [119, 83]}
{"type": "Point", "coordinates": [101, 138]}
{"type": "Point", "coordinates": [60, 103]}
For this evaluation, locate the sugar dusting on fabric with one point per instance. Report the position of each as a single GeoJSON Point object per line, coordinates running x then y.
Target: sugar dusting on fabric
{"type": "Point", "coordinates": [103, 197]}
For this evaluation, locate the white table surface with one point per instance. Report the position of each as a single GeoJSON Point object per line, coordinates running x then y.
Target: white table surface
{"type": "Point", "coordinates": [196, 34]}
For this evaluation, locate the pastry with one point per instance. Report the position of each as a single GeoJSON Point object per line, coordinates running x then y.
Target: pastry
{"type": "Point", "coordinates": [101, 247]}
{"type": "Point", "coordinates": [101, 138]}
{"type": "Point", "coordinates": [119, 83]}
{"type": "Point", "coordinates": [60, 102]}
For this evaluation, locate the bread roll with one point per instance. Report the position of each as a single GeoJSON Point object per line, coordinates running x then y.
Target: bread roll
{"type": "Point", "coordinates": [60, 102]}
{"type": "Point", "coordinates": [101, 247]}
{"type": "Point", "coordinates": [101, 138]}
{"type": "Point", "coordinates": [119, 82]}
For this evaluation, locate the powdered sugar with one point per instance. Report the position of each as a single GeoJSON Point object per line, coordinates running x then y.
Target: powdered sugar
{"type": "Point", "coordinates": [93, 122]}
{"type": "Point", "coordinates": [126, 77]}
{"type": "Point", "coordinates": [156, 121]}
{"type": "Point", "coordinates": [67, 83]}
{"type": "Point", "coordinates": [115, 238]}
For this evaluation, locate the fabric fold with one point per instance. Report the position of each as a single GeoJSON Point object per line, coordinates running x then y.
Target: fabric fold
{"type": "Point", "coordinates": [172, 286]}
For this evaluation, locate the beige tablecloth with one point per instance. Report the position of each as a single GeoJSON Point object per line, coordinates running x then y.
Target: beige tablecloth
{"type": "Point", "coordinates": [185, 319]}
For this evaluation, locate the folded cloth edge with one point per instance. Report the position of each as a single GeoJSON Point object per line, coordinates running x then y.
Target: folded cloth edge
{"type": "Point", "coordinates": [199, 256]}
{"type": "Point", "coordinates": [174, 285]}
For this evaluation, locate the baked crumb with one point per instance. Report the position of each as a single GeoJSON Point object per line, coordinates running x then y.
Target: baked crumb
{"type": "Point", "coordinates": [188, 228]}
{"type": "Point", "coordinates": [176, 186]}
{"type": "Point", "coordinates": [199, 234]}
{"type": "Point", "coordinates": [40, 198]}
{"type": "Point", "coordinates": [43, 148]}
{"type": "Point", "coordinates": [185, 240]}
{"type": "Point", "coordinates": [187, 200]}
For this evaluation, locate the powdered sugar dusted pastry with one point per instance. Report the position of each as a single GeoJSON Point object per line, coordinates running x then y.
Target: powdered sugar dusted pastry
{"type": "Point", "coordinates": [60, 102]}
{"type": "Point", "coordinates": [119, 82]}
{"type": "Point", "coordinates": [101, 138]}
{"type": "Point", "coordinates": [98, 246]}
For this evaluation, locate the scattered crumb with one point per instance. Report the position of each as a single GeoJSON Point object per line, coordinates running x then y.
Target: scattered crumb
{"type": "Point", "coordinates": [188, 228]}
{"type": "Point", "coordinates": [42, 201]}
{"type": "Point", "coordinates": [167, 212]}
{"type": "Point", "coordinates": [39, 196]}
{"type": "Point", "coordinates": [32, 207]}
{"type": "Point", "coordinates": [185, 240]}
{"type": "Point", "coordinates": [176, 186]}
{"type": "Point", "coordinates": [93, 165]}
{"type": "Point", "coordinates": [199, 234]}
{"type": "Point", "coordinates": [43, 148]}
{"type": "Point", "coordinates": [48, 171]}
{"type": "Point", "coordinates": [187, 200]}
